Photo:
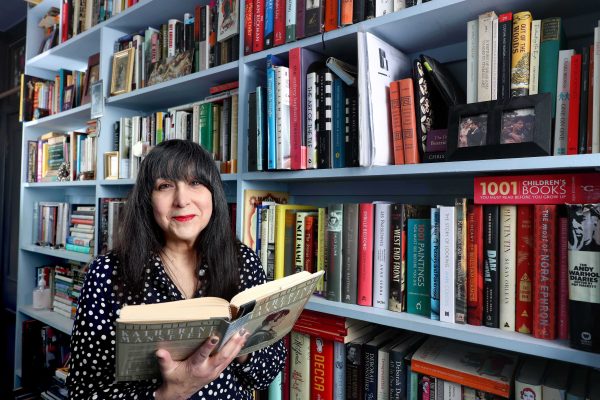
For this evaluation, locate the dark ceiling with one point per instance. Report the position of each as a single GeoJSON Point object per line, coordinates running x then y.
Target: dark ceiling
{"type": "Point", "coordinates": [11, 13]}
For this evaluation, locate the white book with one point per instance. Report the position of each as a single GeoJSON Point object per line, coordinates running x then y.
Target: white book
{"type": "Point", "coordinates": [383, 7]}
{"type": "Point", "coordinates": [563, 81]}
{"type": "Point", "coordinates": [596, 94]}
{"type": "Point", "coordinates": [399, 5]}
{"type": "Point", "coordinates": [282, 116]}
{"type": "Point", "coordinates": [311, 120]}
{"type": "Point", "coordinates": [508, 266]}
{"type": "Point", "coordinates": [484, 71]}
{"type": "Point", "coordinates": [447, 262]}
{"type": "Point", "coordinates": [203, 45]}
{"type": "Point", "coordinates": [124, 147]}
{"type": "Point", "coordinates": [381, 254]}
{"type": "Point", "coordinates": [472, 60]}
{"type": "Point", "coordinates": [196, 123]}
{"type": "Point", "coordinates": [299, 366]}
{"type": "Point", "coordinates": [172, 39]}
{"type": "Point", "coordinates": [534, 59]}
{"type": "Point", "coordinates": [452, 391]}
{"type": "Point", "coordinates": [379, 64]}
{"type": "Point", "coordinates": [339, 370]}
{"type": "Point", "coordinates": [494, 81]}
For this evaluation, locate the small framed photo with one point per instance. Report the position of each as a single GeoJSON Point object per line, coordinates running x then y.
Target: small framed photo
{"type": "Point", "coordinates": [518, 127]}
{"type": "Point", "coordinates": [111, 165]}
{"type": "Point", "coordinates": [97, 93]}
{"type": "Point", "coordinates": [122, 71]}
{"type": "Point", "coordinates": [92, 75]}
{"type": "Point", "coordinates": [68, 96]}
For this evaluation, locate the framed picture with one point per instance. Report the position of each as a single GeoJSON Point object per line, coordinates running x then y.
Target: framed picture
{"type": "Point", "coordinates": [68, 97]}
{"type": "Point", "coordinates": [519, 127]}
{"type": "Point", "coordinates": [122, 71]}
{"type": "Point", "coordinates": [97, 93]}
{"type": "Point", "coordinates": [111, 165]}
{"type": "Point", "coordinates": [92, 74]}
{"type": "Point", "coordinates": [170, 68]}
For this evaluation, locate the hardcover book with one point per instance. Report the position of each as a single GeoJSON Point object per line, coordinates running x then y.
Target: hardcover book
{"type": "Point", "coordinates": [268, 311]}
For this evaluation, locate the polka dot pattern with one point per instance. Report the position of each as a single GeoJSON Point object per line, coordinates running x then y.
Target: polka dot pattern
{"type": "Point", "coordinates": [92, 373]}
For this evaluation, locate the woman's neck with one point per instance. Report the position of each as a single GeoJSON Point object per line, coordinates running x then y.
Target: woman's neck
{"type": "Point", "coordinates": [181, 264]}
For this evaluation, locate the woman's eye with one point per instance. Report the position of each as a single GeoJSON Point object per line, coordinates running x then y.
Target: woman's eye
{"type": "Point", "coordinates": [195, 182]}
{"type": "Point", "coordinates": [163, 186]}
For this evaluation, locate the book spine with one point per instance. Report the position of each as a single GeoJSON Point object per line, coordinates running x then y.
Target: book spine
{"type": "Point", "coordinates": [300, 19]}
{"type": "Point", "coordinates": [381, 256]}
{"type": "Point", "coordinates": [354, 372]}
{"type": "Point", "coordinates": [590, 111]}
{"type": "Point", "coordinates": [494, 63]}
{"type": "Point", "coordinates": [396, 119]}
{"type": "Point", "coordinates": [383, 374]}
{"type": "Point", "coordinates": [311, 120]}
{"type": "Point", "coordinates": [271, 110]}
{"type": "Point", "coordinates": [299, 242]}
{"type": "Point", "coordinates": [396, 292]}
{"type": "Point", "coordinates": [269, 23]}
{"type": "Point", "coordinates": [447, 262]}
{"type": "Point", "coordinates": [460, 283]}
{"type": "Point", "coordinates": [258, 43]}
{"type": "Point", "coordinates": [314, 18]}
{"type": "Point", "coordinates": [321, 237]}
{"type": "Point", "coordinates": [339, 370]}
{"type": "Point", "coordinates": [370, 354]}
{"type": "Point", "coordinates": [279, 22]}
{"type": "Point", "coordinates": [485, 40]}
{"type": "Point", "coordinates": [350, 254]}
{"type": "Point", "coordinates": [550, 43]}
{"type": "Point", "coordinates": [346, 12]}
{"type": "Point", "coordinates": [475, 261]}
{"type": "Point", "coordinates": [508, 244]}
{"type": "Point", "coordinates": [290, 21]}
{"type": "Point", "coordinates": [409, 122]}
{"type": "Point", "coordinates": [295, 56]}
{"type": "Point", "coordinates": [504, 55]}
{"type": "Point", "coordinates": [325, 119]}
{"type": "Point", "coordinates": [472, 60]}
{"type": "Point", "coordinates": [562, 102]}
{"type": "Point", "coordinates": [583, 100]}
{"type": "Point", "coordinates": [310, 234]}
{"type": "Point", "coordinates": [534, 59]}
{"type": "Point", "coordinates": [562, 278]}
{"type": "Point", "coordinates": [418, 271]}
{"type": "Point", "coordinates": [544, 272]}
{"type": "Point", "coordinates": [365, 255]}
{"type": "Point", "coordinates": [435, 264]}
{"type": "Point", "coordinates": [335, 222]}
{"type": "Point", "coordinates": [282, 116]}
{"type": "Point", "coordinates": [574, 97]}
{"type": "Point", "coordinates": [596, 94]}
{"type": "Point", "coordinates": [521, 54]}
{"type": "Point", "coordinates": [300, 366]}
{"type": "Point", "coordinates": [490, 270]}
{"type": "Point", "coordinates": [248, 26]}
{"type": "Point", "coordinates": [322, 364]}
{"type": "Point", "coordinates": [524, 292]}
{"type": "Point", "coordinates": [338, 130]}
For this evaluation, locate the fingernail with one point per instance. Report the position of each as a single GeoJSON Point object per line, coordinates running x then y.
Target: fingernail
{"type": "Point", "coordinates": [242, 332]}
{"type": "Point", "coordinates": [214, 340]}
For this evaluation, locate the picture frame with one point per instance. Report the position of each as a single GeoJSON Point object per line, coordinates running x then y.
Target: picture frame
{"type": "Point", "coordinates": [97, 97]}
{"type": "Point", "coordinates": [92, 75]}
{"type": "Point", "coordinates": [111, 165]}
{"type": "Point", "coordinates": [517, 127]}
{"type": "Point", "coordinates": [170, 68]}
{"type": "Point", "coordinates": [122, 71]}
{"type": "Point", "coordinates": [68, 97]}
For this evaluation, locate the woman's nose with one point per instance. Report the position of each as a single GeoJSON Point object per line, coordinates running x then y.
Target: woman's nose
{"type": "Point", "coordinates": [182, 195]}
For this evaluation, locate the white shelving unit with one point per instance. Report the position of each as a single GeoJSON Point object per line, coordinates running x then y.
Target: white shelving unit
{"type": "Point", "coordinates": [437, 28]}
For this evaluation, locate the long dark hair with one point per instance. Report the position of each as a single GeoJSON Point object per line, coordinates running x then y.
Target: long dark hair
{"type": "Point", "coordinates": [139, 237]}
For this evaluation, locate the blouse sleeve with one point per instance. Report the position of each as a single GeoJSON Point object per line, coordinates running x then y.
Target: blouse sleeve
{"type": "Point", "coordinates": [263, 365]}
{"type": "Point", "coordinates": [92, 367]}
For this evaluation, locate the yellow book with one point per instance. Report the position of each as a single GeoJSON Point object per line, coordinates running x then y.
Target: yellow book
{"type": "Point", "coordinates": [521, 53]}
{"type": "Point", "coordinates": [284, 218]}
{"type": "Point", "coordinates": [252, 198]}
{"type": "Point", "coordinates": [321, 233]}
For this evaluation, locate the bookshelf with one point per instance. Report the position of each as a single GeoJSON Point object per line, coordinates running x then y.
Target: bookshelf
{"type": "Point", "coordinates": [437, 28]}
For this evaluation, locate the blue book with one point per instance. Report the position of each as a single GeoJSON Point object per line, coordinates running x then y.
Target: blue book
{"type": "Point", "coordinates": [269, 23]}
{"type": "Point", "coordinates": [418, 269]}
{"type": "Point", "coordinates": [338, 134]}
{"type": "Point", "coordinates": [271, 111]}
{"type": "Point", "coordinates": [275, 388]}
{"type": "Point", "coordinates": [435, 264]}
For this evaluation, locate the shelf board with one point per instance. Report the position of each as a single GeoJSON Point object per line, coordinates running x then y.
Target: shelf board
{"type": "Point", "coordinates": [117, 182]}
{"type": "Point", "coordinates": [175, 92]}
{"type": "Point", "coordinates": [50, 318]}
{"type": "Point", "coordinates": [497, 338]}
{"type": "Point", "coordinates": [229, 177]}
{"type": "Point", "coordinates": [63, 121]}
{"type": "Point", "coordinates": [74, 52]}
{"type": "Point", "coordinates": [67, 255]}
{"type": "Point", "coordinates": [476, 167]}
{"type": "Point", "coordinates": [58, 184]}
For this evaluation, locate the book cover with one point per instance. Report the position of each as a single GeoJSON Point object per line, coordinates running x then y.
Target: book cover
{"type": "Point", "coordinates": [530, 377]}
{"type": "Point", "coordinates": [435, 264]}
{"type": "Point", "coordinates": [365, 254]}
{"type": "Point", "coordinates": [507, 256]}
{"type": "Point", "coordinates": [350, 253]}
{"type": "Point", "coordinates": [575, 188]}
{"type": "Point", "coordinates": [521, 54]}
{"type": "Point", "coordinates": [335, 258]}
{"type": "Point", "coordinates": [268, 311]}
{"type": "Point", "coordinates": [285, 226]}
{"type": "Point", "coordinates": [524, 278]}
{"type": "Point", "coordinates": [252, 198]}
{"type": "Point", "coordinates": [299, 366]}
{"type": "Point", "coordinates": [417, 268]}
{"type": "Point", "coordinates": [551, 41]}
{"type": "Point", "coordinates": [544, 271]}
{"type": "Point", "coordinates": [487, 370]}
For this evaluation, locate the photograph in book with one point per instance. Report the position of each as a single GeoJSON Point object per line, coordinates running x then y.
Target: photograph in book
{"type": "Point", "coordinates": [228, 22]}
{"type": "Point", "coordinates": [267, 311]}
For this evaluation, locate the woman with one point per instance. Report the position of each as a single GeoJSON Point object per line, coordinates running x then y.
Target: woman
{"type": "Point", "coordinates": [175, 242]}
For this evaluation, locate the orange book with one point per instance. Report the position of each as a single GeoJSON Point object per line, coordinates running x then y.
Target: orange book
{"type": "Point", "coordinates": [409, 121]}
{"type": "Point", "coordinates": [396, 123]}
{"type": "Point", "coordinates": [331, 15]}
{"type": "Point", "coordinates": [469, 365]}
{"type": "Point", "coordinates": [346, 12]}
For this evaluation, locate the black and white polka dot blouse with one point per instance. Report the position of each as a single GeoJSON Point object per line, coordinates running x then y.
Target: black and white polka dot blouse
{"type": "Point", "coordinates": [92, 372]}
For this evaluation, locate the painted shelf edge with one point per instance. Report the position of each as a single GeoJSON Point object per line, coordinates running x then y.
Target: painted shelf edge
{"type": "Point", "coordinates": [494, 338]}
{"type": "Point", "coordinates": [64, 254]}
{"type": "Point", "coordinates": [90, 183]}
{"type": "Point", "coordinates": [50, 318]}
{"type": "Point", "coordinates": [60, 115]}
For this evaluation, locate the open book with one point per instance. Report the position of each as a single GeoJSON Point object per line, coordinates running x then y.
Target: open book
{"type": "Point", "coordinates": [267, 311]}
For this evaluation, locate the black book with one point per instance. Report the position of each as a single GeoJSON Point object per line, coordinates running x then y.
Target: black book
{"type": "Point", "coordinates": [358, 11]}
{"type": "Point", "coordinates": [325, 114]}
{"type": "Point", "coordinates": [313, 18]}
{"type": "Point", "coordinates": [583, 100]}
{"type": "Point", "coordinates": [369, 9]}
{"type": "Point", "coordinates": [491, 273]}
{"type": "Point", "coordinates": [252, 147]}
{"type": "Point", "coordinates": [504, 55]}
{"type": "Point", "coordinates": [352, 153]}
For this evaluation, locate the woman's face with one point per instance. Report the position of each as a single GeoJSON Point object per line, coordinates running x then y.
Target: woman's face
{"type": "Point", "coordinates": [181, 209]}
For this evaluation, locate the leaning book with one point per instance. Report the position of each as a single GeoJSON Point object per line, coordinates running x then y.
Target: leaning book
{"type": "Point", "coordinates": [267, 311]}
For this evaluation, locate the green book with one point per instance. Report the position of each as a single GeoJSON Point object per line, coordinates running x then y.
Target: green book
{"type": "Point", "coordinates": [551, 41]}
{"type": "Point", "coordinates": [206, 127]}
{"type": "Point", "coordinates": [418, 255]}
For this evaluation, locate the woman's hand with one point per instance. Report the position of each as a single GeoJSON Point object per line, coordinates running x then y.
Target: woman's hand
{"type": "Point", "coordinates": [181, 379]}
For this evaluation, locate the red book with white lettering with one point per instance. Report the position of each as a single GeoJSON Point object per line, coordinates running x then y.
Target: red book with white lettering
{"type": "Point", "coordinates": [475, 261]}
{"type": "Point", "coordinates": [576, 188]}
{"type": "Point", "coordinates": [562, 278]}
{"type": "Point", "coordinates": [365, 254]}
{"type": "Point", "coordinates": [279, 23]}
{"type": "Point", "coordinates": [249, 27]}
{"type": "Point", "coordinates": [544, 271]}
{"type": "Point", "coordinates": [321, 368]}
{"type": "Point", "coordinates": [524, 295]}
{"type": "Point", "coordinates": [258, 44]}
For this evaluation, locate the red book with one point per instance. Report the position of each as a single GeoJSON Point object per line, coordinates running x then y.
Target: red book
{"type": "Point", "coordinates": [224, 87]}
{"type": "Point", "coordinates": [475, 260]}
{"type": "Point", "coordinates": [297, 151]}
{"type": "Point", "coordinates": [398, 143]}
{"type": "Point", "coordinates": [574, 95]}
{"type": "Point", "coordinates": [325, 334]}
{"type": "Point", "coordinates": [538, 189]}
{"type": "Point", "coordinates": [563, 278]}
{"type": "Point", "coordinates": [285, 376]}
{"type": "Point", "coordinates": [82, 221]}
{"type": "Point", "coordinates": [409, 121]}
{"type": "Point", "coordinates": [590, 113]}
{"type": "Point", "coordinates": [309, 242]}
{"type": "Point", "coordinates": [331, 15]}
{"type": "Point", "coordinates": [259, 26]}
{"type": "Point", "coordinates": [326, 319]}
{"type": "Point", "coordinates": [524, 300]}
{"type": "Point", "coordinates": [197, 10]}
{"type": "Point", "coordinates": [64, 21]}
{"type": "Point", "coordinates": [544, 271]}
{"type": "Point", "coordinates": [365, 254]}
{"type": "Point", "coordinates": [249, 27]}
{"type": "Point", "coordinates": [321, 368]}
{"type": "Point", "coordinates": [279, 23]}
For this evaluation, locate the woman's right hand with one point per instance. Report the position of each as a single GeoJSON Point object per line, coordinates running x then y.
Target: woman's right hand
{"type": "Point", "coordinates": [181, 379]}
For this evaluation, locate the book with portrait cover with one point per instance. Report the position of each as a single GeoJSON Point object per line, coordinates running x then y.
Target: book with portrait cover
{"type": "Point", "coordinates": [267, 311]}
{"type": "Point", "coordinates": [253, 198]}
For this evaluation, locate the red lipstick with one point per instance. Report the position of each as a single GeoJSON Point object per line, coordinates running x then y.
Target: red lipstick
{"type": "Point", "coordinates": [183, 218]}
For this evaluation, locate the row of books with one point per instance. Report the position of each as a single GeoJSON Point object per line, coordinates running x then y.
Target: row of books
{"type": "Point", "coordinates": [58, 156]}
{"type": "Point", "coordinates": [65, 284]}
{"type": "Point", "coordinates": [207, 38]}
{"type": "Point", "coordinates": [270, 23]}
{"type": "Point", "coordinates": [513, 55]}
{"type": "Point", "coordinates": [212, 123]}
{"type": "Point", "coordinates": [64, 226]}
